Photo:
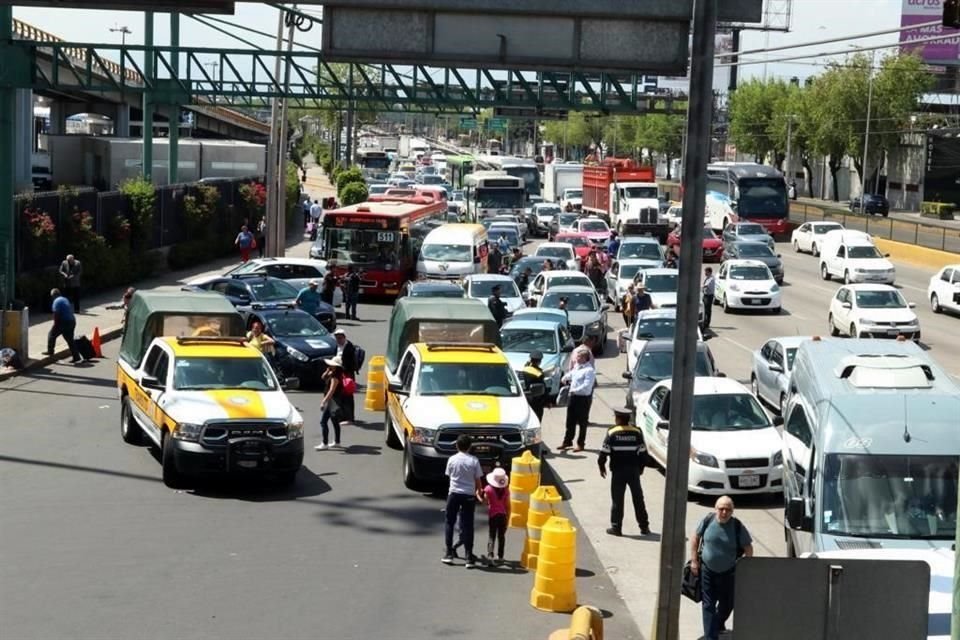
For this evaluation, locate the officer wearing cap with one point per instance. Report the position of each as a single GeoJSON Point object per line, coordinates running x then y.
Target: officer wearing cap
{"type": "Point", "coordinates": [498, 308]}
{"type": "Point", "coordinates": [627, 451]}
{"type": "Point", "coordinates": [533, 374]}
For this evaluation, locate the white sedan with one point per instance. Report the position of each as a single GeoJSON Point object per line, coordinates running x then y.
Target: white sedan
{"type": "Point", "coordinates": [809, 236]}
{"type": "Point", "coordinates": [480, 286]}
{"type": "Point", "coordinates": [943, 292]}
{"type": "Point", "coordinates": [734, 446]}
{"type": "Point", "coordinates": [649, 325]}
{"type": "Point", "coordinates": [772, 366]}
{"type": "Point", "coordinates": [662, 285]}
{"type": "Point", "coordinates": [747, 284]}
{"type": "Point", "coordinates": [872, 311]}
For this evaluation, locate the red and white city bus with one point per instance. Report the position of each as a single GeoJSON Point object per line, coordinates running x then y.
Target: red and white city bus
{"type": "Point", "coordinates": [381, 240]}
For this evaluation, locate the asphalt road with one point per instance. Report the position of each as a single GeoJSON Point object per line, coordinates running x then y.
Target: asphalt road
{"type": "Point", "coordinates": [93, 545]}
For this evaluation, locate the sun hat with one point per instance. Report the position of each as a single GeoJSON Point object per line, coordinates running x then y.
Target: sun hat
{"type": "Point", "coordinates": [335, 361]}
{"type": "Point", "coordinates": [498, 478]}
{"type": "Point", "coordinates": [314, 283]}
{"type": "Point", "coordinates": [339, 332]}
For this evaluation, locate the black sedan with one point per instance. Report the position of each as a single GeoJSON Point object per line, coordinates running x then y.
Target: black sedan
{"type": "Point", "coordinates": [302, 342]}
{"type": "Point", "coordinates": [262, 292]}
{"type": "Point", "coordinates": [755, 251]}
{"type": "Point", "coordinates": [873, 203]}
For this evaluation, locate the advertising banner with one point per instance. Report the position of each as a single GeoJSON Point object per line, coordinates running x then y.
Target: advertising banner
{"type": "Point", "coordinates": [941, 52]}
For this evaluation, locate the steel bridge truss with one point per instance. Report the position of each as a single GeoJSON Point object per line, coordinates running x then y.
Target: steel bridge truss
{"type": "Point", "coordinates": [246, 78]}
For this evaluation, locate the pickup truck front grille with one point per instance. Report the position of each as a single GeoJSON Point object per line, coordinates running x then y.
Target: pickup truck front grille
{"type": "Point", "coordinates": [220, 433]}
{"type": "Point", "coordinates": [496, 437]}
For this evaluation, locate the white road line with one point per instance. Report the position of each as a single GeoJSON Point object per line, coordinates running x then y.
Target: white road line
{"type": "Point", "coordinates": [732, 341]}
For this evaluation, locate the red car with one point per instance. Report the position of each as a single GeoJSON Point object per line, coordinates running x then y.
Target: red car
{"type": "Point", "coordinates": [712, 245]}
{"type": "Point", "coordinates": [581, 243]}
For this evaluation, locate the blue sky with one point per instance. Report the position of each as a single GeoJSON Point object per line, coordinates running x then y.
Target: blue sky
{"type": "Point", "coordinates": [812, 20]}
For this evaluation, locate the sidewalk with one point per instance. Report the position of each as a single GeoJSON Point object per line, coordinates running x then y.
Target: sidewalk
{"type": "Point", "coordinates": [95, 314]}
{"type": "Point", "coordinates": [896, 214]}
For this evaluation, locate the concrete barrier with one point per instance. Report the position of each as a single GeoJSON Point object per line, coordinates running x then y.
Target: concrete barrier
{"type": "Point", "coordinates": [586, 623]}
{"type": "Point", "coordinates": [916, 255]}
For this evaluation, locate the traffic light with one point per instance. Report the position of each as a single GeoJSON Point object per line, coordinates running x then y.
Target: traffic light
{"type": "Point", "coordinates": [951, 13]}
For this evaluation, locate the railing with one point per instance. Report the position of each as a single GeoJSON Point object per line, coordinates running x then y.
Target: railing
{"type": "Point", "coordinates": [915, 233]}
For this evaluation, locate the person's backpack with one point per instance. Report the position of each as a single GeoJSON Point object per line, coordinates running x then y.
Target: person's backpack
{"type": "Point", "coordinates": [85, 348]}
{"type": "Point", "coordinates": [737, 528]}
{"type": "Point", "coordinates": [349, 385]}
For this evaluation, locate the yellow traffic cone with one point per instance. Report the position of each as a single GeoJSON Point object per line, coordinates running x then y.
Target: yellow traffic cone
{"type": "Point", "coordinates": [376, 398]}
{"type": "Point", "coordinates": [554, 586]}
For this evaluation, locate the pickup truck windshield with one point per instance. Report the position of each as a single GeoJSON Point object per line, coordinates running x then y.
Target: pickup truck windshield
{"type": "Point", "coordinates": [890, 496]}
{"type": "Point", "coordinates": [204, 374]}
{"type": "Point", "coordinates": [451, 379]}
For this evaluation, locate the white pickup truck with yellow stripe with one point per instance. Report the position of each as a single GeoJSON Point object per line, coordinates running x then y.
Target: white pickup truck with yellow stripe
{"type": "Point", "coordinates": [443, 390]}
{"type": "Point", "coordinates": [211, 405]}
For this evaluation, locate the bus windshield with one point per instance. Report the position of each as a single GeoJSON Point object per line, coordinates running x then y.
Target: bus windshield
{"type": "Point", "coordinates": [361, 246]}
{"type": "Point", "coordinates": [890, 496]}
{"type": "Point", "coordinates": [530, 175]}
{"type": "Point", "coordinates": [762, 198]}
{"type": "Point", "coordinates": [488, 198]}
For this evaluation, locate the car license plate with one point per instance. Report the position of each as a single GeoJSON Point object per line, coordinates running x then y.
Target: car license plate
{"type": "Point", "coordinates": [480, 450]}
{"type": "Point", "coordinates": [893, 332]}
{"type": "Point", "coordinates": [391, 292]}
{"type": "Point", "coordinates": [751, 301]}
{"type": "Point", "coordinates": [247, 464]}
{"type": "Point", "coordinates": [749, 480]}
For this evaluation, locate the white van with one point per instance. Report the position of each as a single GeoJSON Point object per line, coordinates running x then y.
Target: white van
{"type": "Point", "coordinates": [453, 251]}
{"type": "Point", "coordinates": [852, 256]}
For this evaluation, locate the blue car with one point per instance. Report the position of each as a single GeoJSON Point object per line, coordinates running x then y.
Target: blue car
{"type": "Point", "coordinates": [302, 342]}
{"type": "Point", "coordinates": [521, 337]}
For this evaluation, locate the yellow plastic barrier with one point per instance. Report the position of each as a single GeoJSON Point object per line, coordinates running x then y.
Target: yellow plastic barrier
{"type": "Point", "coordinates": [376, 398]}
{"type": "Point", "coordinates": [554, 585]}
{"type": "Point", "coordinates": [544, 504]}
{"type": "Point", "coordinates": [586, 623]}
{"type": "Point", "coordinates": [524, 480]}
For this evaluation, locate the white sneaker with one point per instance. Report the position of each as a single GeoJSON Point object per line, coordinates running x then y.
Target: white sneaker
{"type": "Point", "coordinates": [337, 443]}
{"type": "Point", "coordinates": [320, 447]}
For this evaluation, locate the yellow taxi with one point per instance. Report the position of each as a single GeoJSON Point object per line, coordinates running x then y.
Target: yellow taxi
{"type": "Point", "coordinates": [212, 405]}
{"type": "Point", "coordinates": [443, 390]}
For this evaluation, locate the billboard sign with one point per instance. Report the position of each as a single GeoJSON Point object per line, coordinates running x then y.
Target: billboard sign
{"type": "Point", "coordinates": [941, 52]}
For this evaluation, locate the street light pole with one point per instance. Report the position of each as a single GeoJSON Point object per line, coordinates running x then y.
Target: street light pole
{"type": "Point", "coordinates": [124, 31]}
{"type": "Point", "coordinates": [866, 137]}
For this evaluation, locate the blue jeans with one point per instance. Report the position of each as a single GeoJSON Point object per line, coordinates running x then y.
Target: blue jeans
{"type": "Point", "coordinates": [325, 419]}
{"type": "Point", "coordinates": [351, 300]}
{"type": "Point", "coordinates": [717, 591]}
{"type": "Point", "coordinates": [463, 505]}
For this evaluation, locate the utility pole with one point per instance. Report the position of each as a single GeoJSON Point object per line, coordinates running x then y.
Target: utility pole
{"type": "Point", "coordinates": [146, 157]}
{"type": "Point", "coordinates": [786, 160]}
{"type": "Point", "coordinates": [277, 221]}
{"type": "Point", "coordinates": [866, 136]}
{"type": "Point", "coordinates": [274, 243]}
{"type": "Point", "coordinates": [699, 115]}
{"type": "Point", "coordinates": [124, 31]}
{"type": "Point", "coordinates": [214, 65]}
{"type": "Point", "coordinates": [7, 128]}
{"type": "Point", "coordinates": [173, 132]}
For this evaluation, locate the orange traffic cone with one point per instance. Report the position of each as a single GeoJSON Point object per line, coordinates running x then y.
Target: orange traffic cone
{"type": "Point", "coordinates": [96, 343]}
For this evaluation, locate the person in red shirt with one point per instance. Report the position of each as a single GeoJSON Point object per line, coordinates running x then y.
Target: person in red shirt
{"type": "Point", "coordinates": [497, 497]}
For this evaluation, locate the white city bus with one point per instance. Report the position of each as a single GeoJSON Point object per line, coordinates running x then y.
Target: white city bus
{"type": "Point", "coordinates": [491, 193]}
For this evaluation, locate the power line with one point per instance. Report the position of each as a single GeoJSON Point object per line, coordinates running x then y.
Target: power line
{"type": "Point", "coordinates": [822, 54]}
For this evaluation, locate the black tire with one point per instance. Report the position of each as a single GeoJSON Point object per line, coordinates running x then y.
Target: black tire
{"type": "Point", "coordinates": [935, 303]}
{"type": "Point", "coordinates": [815, 250]}
{"type": "Point", "coordinates": [846, 277]}
{"type": "Point", "coordinates": [833, 328]}
{"type": "Point", "coordinates": [824, 274]}
{"type": "Point", "coordinates": [755, 387]}
{"type": "Point", "coordinates": [776, 310]}
{"type": "Point", "coordinates": [783, 403]}
{"type": "Point", "coordinates": [726, 307]}
{"type": "Point", "coordinates": [130, 429]}
{"type": "Point", "coordinates": [853, 331]}
{"type": "Point", "coordinates": [171, 476]}
{"type": "Point", "coordinates": [390, 436]}
{"type": "Point", "coordinates": [796, 247]}
{"type": "Point", "coordinates": [411, 481]}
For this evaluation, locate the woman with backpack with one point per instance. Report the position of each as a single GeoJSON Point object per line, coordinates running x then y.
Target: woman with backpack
{"type": "Point", "coordinates": [332, 405]}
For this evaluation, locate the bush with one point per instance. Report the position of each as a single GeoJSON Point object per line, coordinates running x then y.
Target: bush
{"type": "Point", "coordinates": [200, 208]}
{"type": "Point", "coordinates": [142, 198]}
{"type": "Point", "coordinates": [33, 289]}
{"type": "Point", "coordinates": [188, 254]}
{"type": "Point", "coordinates": [345, 177]}
{"type": "Point", "coordinates": [352, 193]}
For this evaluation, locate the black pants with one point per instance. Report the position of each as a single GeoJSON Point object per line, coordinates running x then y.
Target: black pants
{"type": "Point", "coordinates": [349, 406]}
{"type": "Point", "coordinates": [72, 293]}
{"type": "Point", "coordinates": [717, 591]}
{"type": "Point", "coordinates": [261, 245]}
{"type": "Point", "coordinates": [65, 329]}
{"type": "Point", "coordinates": [619, 482]}
{"type": "Point", "coordinates": [707, 311]}
{"type": "Point", "coordinates": [498, 534]}
{"type": "Point", "coordinates": [578, 414]}
{"type": "Point", "coordinates": [463, 505]}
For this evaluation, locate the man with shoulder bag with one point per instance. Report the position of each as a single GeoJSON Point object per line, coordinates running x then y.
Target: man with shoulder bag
{"type": "Point", "coordinates": [719, 541]}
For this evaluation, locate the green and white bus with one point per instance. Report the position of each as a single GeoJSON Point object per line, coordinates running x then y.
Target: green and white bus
{"type": "Point", "coordinates": [458, 168]}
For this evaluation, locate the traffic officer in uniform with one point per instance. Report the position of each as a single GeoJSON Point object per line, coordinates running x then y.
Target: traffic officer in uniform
{"type": "Point", "coordinates": [627, 451]}
{"type": "Point", "coordinates": [533, 374]}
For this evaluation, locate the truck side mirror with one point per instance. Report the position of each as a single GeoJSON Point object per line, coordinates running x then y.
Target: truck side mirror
{"type": "Point", "coordinates": [151, 382]}
{"type": "Point", "coordinates": [797, 515]}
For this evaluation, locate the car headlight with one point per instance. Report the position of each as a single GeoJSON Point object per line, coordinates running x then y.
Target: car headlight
{"type": "Point", "coordinates": [531, 436]}
{"type": "Point", "coordinates": [775, 288]}
{"type": "Point", "coordinates": [595, 326]}
{"type": "Point", "coordinates": [187, 431]}
{"type": "Point", "coordinates": [859, 270]}
{"type": "Point", "coordinates": [777, 459]}
{"type": "Point", "coordinates": [419, 435]}
{"type": "Point", "coordinates": [296, 354]}
{"type": "Point", "coordinates": [703, 459]}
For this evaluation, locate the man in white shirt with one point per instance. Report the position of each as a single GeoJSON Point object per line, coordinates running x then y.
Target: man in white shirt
{"type": "Point", "coordinates": [316, 213]}
{"type": "Point", "coordinates": [465, 488]}
{"type": "Point", "coordinates": [581, 379]}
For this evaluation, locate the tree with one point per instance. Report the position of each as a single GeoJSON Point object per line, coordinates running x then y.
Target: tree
{"type": "Point", "coordinates": [662, 135]}
{"type": "Point", "coordinates": [352, 193]}
{"type": "Point", "coordinates": [794, 128]}
{"type": "Point", "coordinates": [753, 111]}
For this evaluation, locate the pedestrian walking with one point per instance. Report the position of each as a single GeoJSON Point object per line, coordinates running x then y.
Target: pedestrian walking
{"type": "Point", "coordinates": [306, 211]}
{"type": "Point", "coordinates": [627, 451]}
{"type": "Point", "coordinates": [316, 213]}
{"type": "Point", "coordinates": [465, 489]}
{"type": "Point", "coordinates": [626, 305]}
{"type": "Point", "coordinates": [709, 293]}
{"type": "Point", "coordinates": [581, 379]}
{"type": "Point", "coordinates": [614, 245]}
{"type": "Point", "coordinates": [494, 259]}
{"type": "Point", "coordinates": [533, 374]}
{"type": "Point", "coordinates": [261, 236]}
{"type": "Point", "coordinates": [642, 301]}
{"type": "Point", "coordinates": [70, 271]}
{"type": "Point", "coordinates": [331, 406]}
{"type": "Point", "coordinates": [245, 242]}
{"type": "Point", "coordinates": [498, 308]}
{"type": "Point", "coordinates": [496, 495]}
{"type": "Point", "coordinates": [308, 298]}
{"type": "Point", "coordinates": [595, 272]}
{"type": "Point", "coordinates": [64, 324]}
{"type": "Point", "coordinates": [328, 288]}
{"type": "Point", "coordinates": [347, 352]}
{"type": "Point", "coordinates": [719, 541]}
{"type": "Point", "coordinates": [352, 297]}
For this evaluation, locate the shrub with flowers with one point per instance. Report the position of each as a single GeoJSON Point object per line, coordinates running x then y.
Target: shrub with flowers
{"type": "Point", "coordinates": [254, 196]}
{"type": "Point", "coordinates": [119, 230]}
{"type": "Point", "coordinates": [41, 230]}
